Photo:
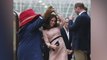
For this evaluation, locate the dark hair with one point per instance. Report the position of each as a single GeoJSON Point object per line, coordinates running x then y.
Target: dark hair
{"type": "Point", "coordinates": [46, 25]}
{"type": "Point", "coordinates": [81, 5]}
{"type": "Point", "coordinates": [48, 12]}
{"type": "Point", "coordinates": [85, 8]}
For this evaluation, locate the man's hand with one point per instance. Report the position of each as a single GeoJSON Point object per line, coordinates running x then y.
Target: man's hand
{"type": "Point", "coordinates": [71, 18]}
{"type": "Point", "coordinates": [69, 51]}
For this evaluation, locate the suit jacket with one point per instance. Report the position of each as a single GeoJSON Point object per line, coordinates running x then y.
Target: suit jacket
{"type": "Point", "coordinates": [81, 32]}
{"type": "Point", "coordinates": [65, 38]}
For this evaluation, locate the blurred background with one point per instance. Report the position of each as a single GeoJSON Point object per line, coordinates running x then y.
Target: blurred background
{"type": "Point", "coordinates": [64, 7]}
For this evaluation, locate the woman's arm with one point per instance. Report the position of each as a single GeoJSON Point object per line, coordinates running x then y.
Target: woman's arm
{"type": "Point", "coordinates": [47, 42]}
{"type": "Point", "coordinates": [45, 38]}
{"type": "Point", "coordinates": [61, 21]}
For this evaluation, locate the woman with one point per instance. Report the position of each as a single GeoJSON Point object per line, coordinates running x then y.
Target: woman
{"type": "Point", "coordinates": [53, 38]}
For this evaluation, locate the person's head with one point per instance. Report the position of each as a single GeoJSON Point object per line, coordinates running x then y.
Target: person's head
{"type": "Point", "coordinates": [66, 23]}
{"type": "Point", "coordinates": [86, 9]}
{"type": "Point", "coordinates": [79, 7]}
{"type": "Point", "coordinates": [51, 22]}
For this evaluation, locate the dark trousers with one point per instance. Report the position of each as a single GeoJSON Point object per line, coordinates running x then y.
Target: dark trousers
{"type": "Point", "coordinates": [70, 56]}
{"type": "Point", "coordinates": [88, 56]}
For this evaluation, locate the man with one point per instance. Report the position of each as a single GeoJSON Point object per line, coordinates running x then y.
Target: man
{"type": "Point", "coordinates": [67, 38]}
{"type": "Point", "coordinates": [81, 33]}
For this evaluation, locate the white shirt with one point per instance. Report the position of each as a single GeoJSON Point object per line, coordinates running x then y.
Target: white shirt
{"type": "Point", "coordinates": [82, 12]}
{"type": "Point", "coordinates": [67, 32]}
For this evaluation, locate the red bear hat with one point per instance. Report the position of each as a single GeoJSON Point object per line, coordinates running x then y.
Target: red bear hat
{"type": "Point", "coordinates": [27, 16]}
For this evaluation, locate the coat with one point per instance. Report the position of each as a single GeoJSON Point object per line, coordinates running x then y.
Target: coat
{"type": "Point", "coordinates": [66, 40]}
{"type": "Point", "coordinates": [30, 37]}
{"type": "Point", "coordinates": [81, 32]}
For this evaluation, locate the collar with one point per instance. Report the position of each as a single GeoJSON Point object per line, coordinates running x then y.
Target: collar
{"type": "Point", "coordinates": [82, 12]}
{"type": "Point", "coordinates": [65, 29]}
{"type": "Point", "coordinates": [67, 32]}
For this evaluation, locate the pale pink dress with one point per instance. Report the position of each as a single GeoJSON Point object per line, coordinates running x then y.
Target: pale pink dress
{"type": "Point", "coordinates": [60, 53]}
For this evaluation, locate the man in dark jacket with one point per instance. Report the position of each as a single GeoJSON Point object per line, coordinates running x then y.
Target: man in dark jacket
{"type": "Point", "coordinates": [81, 33]}
{"type": "Point", "coordinates": [67, 37]}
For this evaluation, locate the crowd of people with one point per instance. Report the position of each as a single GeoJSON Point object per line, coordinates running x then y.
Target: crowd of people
{"type": "Point", "coordinates": [53, 37]}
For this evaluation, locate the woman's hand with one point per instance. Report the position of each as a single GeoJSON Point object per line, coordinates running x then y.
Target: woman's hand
{"type": "Point", "coordinates": [53, 47]}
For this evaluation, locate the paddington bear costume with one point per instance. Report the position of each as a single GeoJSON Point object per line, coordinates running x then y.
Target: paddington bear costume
{"type": "Point", "coordinates": [29, 47]}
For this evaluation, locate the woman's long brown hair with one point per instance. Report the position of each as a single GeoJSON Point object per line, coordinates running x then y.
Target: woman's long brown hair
{"type": "Point", "coordinates": [48, 12]}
